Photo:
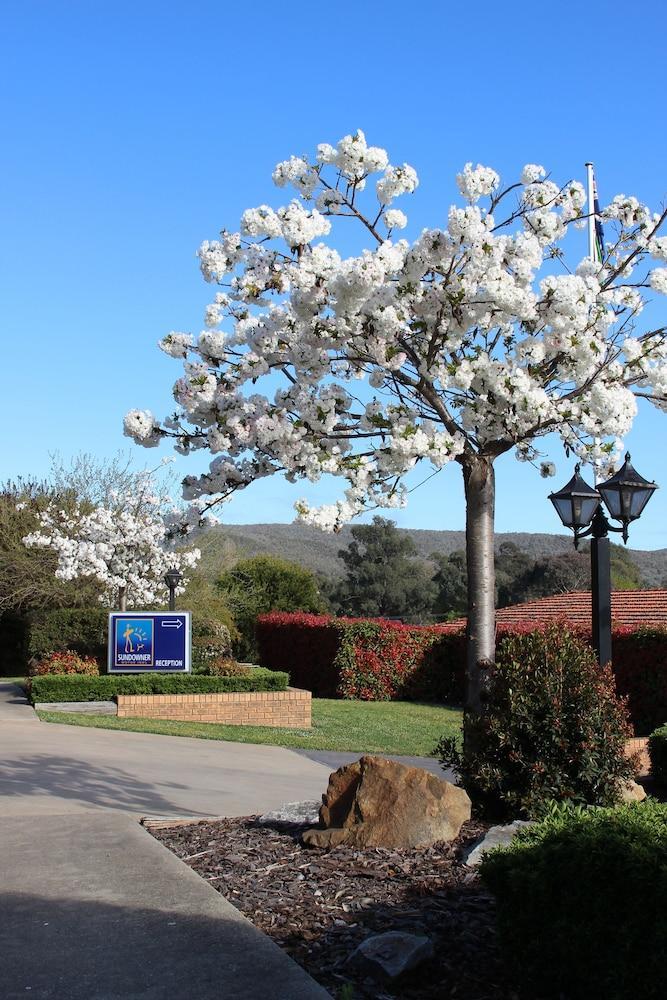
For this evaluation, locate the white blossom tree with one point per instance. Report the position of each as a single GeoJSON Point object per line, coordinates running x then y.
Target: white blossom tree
{"type": "Point", "coordinates": [455, 347]}
{"type": "Point", "coordinates": [127, 547]}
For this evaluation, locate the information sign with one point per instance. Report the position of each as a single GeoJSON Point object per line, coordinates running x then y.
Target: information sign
{"type": "Point", "coordinates": [141, 641]}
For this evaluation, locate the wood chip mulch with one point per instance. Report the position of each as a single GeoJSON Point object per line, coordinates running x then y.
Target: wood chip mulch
{"type": "Point", "coordinates": [319, 905]}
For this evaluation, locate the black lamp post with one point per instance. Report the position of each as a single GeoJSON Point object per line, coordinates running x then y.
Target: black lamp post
{"type": "Point", "coordinates": [578, 505]}
{"type": "Point", "coordinates": [172, 578]}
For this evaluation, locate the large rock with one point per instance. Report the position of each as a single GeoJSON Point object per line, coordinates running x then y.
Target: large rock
{"type": "Point", "coordinates": [496, 836]}
{"type": "Point", "coordinates": [632, 792]}
{"type": "Point", "coordinates": [379, 803]}
{"type": "Point", "coordinates": [388, 956]}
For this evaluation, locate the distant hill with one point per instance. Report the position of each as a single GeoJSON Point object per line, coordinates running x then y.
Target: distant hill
{"type": "Point", "coordinates": [223, 546]}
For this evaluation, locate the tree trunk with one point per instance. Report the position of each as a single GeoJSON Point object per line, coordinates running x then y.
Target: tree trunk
{"type": "Point", "coordinates": [122, 599]}
{"type": "Point", "coordinates": [480, 491]}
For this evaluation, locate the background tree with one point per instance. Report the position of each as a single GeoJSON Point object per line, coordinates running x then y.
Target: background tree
{"type": "Point", "coordinates": [262, 584]}
{"type": "Point", "coordinates": [125, 548]}
{"type": "Point", "coordinates": [456, 347]}
{"type": "Point", "coordinates": [384, 577]}
{"type": "Point", "coordinates": [451, 581]}
{"type": "Point", "coordinates": [27, 576]}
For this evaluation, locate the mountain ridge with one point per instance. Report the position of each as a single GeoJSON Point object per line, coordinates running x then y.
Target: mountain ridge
{"type": "Point", "coordinates": [224, 545]}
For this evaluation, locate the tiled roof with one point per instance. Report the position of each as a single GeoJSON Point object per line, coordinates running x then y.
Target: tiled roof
{"type": "Point", "coordinates": [628, 607]}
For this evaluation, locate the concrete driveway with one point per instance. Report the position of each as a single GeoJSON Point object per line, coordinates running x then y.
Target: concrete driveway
{"type": "Point", "coordinates": [54, 769]}
{"type": "Point", "coordinates": [94, 908]}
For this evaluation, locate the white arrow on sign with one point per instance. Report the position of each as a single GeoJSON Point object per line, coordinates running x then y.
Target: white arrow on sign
{"type": "Point", "coordinates": [177, 624]}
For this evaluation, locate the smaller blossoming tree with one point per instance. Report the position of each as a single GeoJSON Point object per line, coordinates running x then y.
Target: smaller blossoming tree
{"type": "Point", "coordinates": [126, 548]}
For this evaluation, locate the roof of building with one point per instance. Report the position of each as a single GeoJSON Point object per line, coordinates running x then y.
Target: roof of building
{"type": "Point", "coordinates": [628, 607]}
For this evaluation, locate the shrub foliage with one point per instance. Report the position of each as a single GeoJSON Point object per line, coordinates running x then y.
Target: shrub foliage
{"type": "Point", "coordinates": [553, 728]}
{"type": "Point", "coordinates": [65, 662]}
{"type": "Point", "coordinates": [581, 903]}
{"type": "Point", "coordinates": [225, 666]}
{"type": "Point", "coordinates": [72, 688]}
{"type": "Point", "coordinates": [372, 659]}
{"type": "Point", "coordinates": [657, 748]}
{"type": "Point", "coordinates": [211, 640]}
{"type": "Point", "coordinates": [83, 630]}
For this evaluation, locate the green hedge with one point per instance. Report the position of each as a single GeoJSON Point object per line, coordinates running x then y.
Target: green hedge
{"type": "Point", "coordinates": [581, 903]}
{"type": "Point", "coordinates": [74, 687]}
{"type": "Point", "coordinates": [83, 630]}
{"type": "Point", "coordinates": [657, 748]}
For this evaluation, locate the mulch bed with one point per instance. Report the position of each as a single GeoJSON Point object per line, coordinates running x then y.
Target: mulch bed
{"type": "Point", "coordinates": [319, 905]}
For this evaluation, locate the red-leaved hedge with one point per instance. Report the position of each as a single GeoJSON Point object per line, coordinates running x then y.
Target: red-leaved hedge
{"type": "Point", "coordinates": [377, 660]}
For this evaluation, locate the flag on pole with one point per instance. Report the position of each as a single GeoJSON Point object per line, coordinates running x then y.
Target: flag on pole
{"type": "Point", "coordinates": [595, 231]}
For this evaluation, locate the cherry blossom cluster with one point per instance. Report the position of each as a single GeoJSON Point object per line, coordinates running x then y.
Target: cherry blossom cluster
{"type": "Point", "coordinates": [125, 549]}
{"type": "Point", "coordinates": [473, 339]}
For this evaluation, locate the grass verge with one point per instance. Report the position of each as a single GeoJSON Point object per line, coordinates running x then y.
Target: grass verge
{"type": "Point", "coordinates": [396, 727]}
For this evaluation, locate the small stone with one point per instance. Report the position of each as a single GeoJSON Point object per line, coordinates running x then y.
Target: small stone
{"type": "Point", "coordinates": [632, 792]}
{"type": "Point", "coordinates": [388, 956]}
{"type": "Point", "coordinates": [295, 813]}
{"type": "Point", "coordinates": [496, 836]}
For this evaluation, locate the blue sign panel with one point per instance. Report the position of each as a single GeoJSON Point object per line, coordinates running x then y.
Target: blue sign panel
{"type": "Point", "coordinates": [143, 640]}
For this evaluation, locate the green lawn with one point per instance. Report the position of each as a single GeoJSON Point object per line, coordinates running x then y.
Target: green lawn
{"type": "Point", "coordinates": [397, 727]}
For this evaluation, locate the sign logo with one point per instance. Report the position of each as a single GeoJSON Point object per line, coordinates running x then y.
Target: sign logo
{"type": "Point", "coordinates": [133, 646]}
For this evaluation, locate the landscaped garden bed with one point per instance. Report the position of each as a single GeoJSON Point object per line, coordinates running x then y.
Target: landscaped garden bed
{"type": "Point", "coordinates": [319, 905]}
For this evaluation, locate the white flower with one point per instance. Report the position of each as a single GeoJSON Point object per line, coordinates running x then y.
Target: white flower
{"type": "Point", "coordinates": [547, 469]}
{"type": "Point", "coordinates": [532, 173]}
{"type": "Point", "coordinates": [477, 182]}
{"type": "Point", "coordinates": [176, 344]}
{"type": "Point", "coordinates": [142, 426]}
{"type": "Point", "coordinates": [396, 181]}
{"type": "Point", "coordinates": [395, 219]}
{"type": "Point", "coordinates": [658, 280]}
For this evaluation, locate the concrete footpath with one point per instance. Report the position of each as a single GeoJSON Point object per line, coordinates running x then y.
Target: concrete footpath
{"type": "Point", "coordinates": [94, 908]}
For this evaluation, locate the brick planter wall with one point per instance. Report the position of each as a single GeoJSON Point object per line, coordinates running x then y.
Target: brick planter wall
{"type": "Point", "coordinates": [639, 744]}
{"type": "Point", "coordinates": [290, 709]}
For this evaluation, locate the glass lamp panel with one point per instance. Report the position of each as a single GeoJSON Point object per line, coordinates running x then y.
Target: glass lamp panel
{"type": "Point", "coordinates": [612, 499]}
{"type": "Point", "coordinates": [563, 507]}
{"type": "Point", "coordinates": [638, 501]}
{"type": "Point", "coordinates": [588, 507]}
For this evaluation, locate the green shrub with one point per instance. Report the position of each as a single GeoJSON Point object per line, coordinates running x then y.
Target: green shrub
{"type": "Point", "coordinates": [553, 728]}
{"type": "Point", "coordinates": [83, 630]}
{"type": "Point", "coordinates": [73, 688]}
{"type": "Point", "coordinates": [225, 666]}
{"type": "Point", "coordinates": [211, 640]}
{"type": "Point", "coordinates": [261, 584]}
{"type": "Point", "coordinates": [657, 748]}
{"type": "Point", "coordinates": [581, 903]}
{"type": "Point", "coordinates": [65, 662]}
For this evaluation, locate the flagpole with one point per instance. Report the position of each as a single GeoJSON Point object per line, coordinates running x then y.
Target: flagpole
{"type": "Point", "coordinates": [591, 210]}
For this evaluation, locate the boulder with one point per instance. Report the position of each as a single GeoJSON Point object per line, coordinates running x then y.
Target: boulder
{"type": "Point", "coordinates": [496, 836]}
{"type": "Point", "coordinates": [632, 792]}
{"type": "Point", "coordinates": [380, 803]}
{"type": "Point", "coordinates": [293, 813]}
{"type": "Point", "coordinates": [388, 956]}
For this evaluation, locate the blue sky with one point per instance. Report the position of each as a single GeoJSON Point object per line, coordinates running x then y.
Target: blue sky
{"type": "Point", "coordinates": [132, 131]}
